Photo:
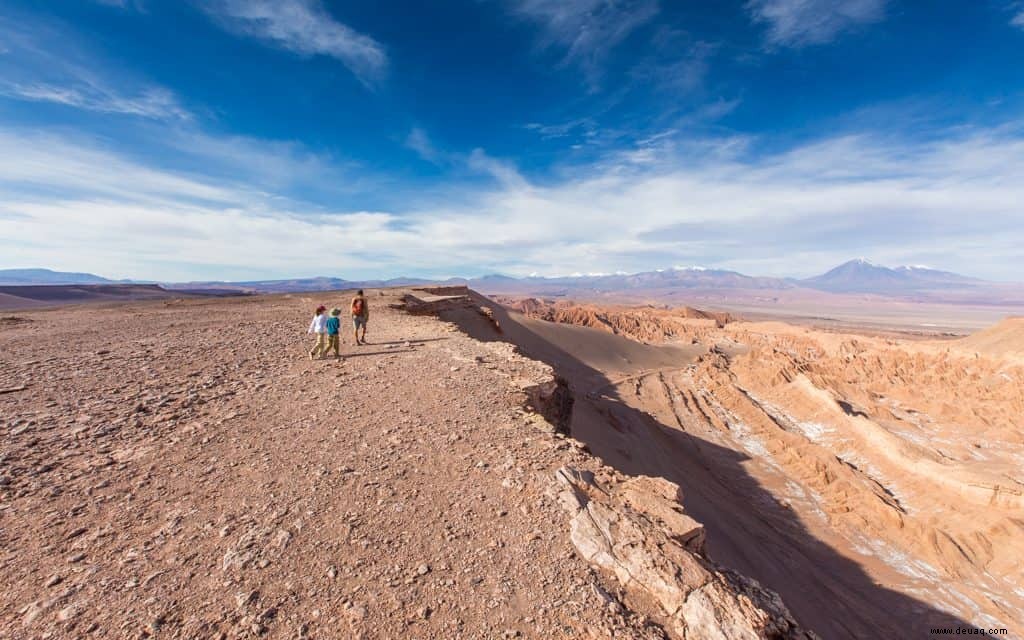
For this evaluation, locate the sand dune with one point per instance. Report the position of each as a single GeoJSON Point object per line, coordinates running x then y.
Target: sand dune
{"type": "Point", "coordinates": [1005, 338]}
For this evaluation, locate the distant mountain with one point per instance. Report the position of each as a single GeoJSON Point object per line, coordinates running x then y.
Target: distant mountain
{"type": "Point", "coordinates": [28, 277]}
{"type": "Point", "coordinates": [854, 277]}
{"type": "Point", "coordinates": [320, 283]}
{"type": "Point", "coordinates": [864, 276]}
{"type": "Point", "coordinates": [662, 279]}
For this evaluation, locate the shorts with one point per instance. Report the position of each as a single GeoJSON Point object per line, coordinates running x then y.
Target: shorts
{"type": "Point", "coordinates": [358, 321]}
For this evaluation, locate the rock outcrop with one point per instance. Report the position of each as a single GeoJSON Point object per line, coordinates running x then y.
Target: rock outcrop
{"type": "Point", "coordinates": [635, 530]}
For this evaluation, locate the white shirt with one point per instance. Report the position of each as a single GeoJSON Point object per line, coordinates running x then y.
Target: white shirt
{"type": "Point", "coordinates": [319, 324]}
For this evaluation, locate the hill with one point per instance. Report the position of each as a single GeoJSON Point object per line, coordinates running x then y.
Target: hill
{"type": "Point", "coordinates": [1005, 338]}
{"type": "Point", "coordinates": [11, 277]}
{"type": "Point", "coordinates": [18, 297]}
{"type": "Point", "coordinates": [319, 283]}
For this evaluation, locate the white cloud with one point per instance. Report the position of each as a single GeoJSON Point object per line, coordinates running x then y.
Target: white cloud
{"type": "Point", "coordinates": [798, 23]}
{"type": "Point", "coordinates": [153, 102]}
{"type": "Point", "coordinates": [83, 169]}
{"type": "Point", "coordinates": [952, 202]}
{"type": "Point", "coordinates": [503, 171]}
{"type": "Point", "coordinates": [1018, 20]}
{"type": "Point", "coordinates": [42, 64]}
{"type": "Point", "coordinates": [584, 126]}
{"type": "Point", "coordinates": [476, 161]}
{"type": "Point", "coordinates": [304, 27]}
{"type": "Point", "coordinates": [587, 30]}
{"type": "Point", "coordinates": [418, 141]}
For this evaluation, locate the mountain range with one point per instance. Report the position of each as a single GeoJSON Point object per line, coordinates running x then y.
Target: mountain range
{"type": "Point", "coordinates": [858, 276]}
{"type": "Point", "coordinates": [33, 277]}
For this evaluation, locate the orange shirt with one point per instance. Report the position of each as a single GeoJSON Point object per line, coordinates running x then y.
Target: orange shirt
{"type": "Point", "coordinates": [366, 307]}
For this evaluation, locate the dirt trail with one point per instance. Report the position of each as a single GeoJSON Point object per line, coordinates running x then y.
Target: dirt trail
{"type": "Point", "coordinates": [875, 484]}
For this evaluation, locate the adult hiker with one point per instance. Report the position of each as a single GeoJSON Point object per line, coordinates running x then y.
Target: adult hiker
{"type": "Point", "coordinates": [333, 326]}
{"type": "Point", "coordinates": [319, 327]}
{"type": "Point", "coordinates": [360, 315]}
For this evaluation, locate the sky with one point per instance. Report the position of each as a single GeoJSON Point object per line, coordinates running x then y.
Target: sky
{"type": "Point", "coordinates": [180, 140]}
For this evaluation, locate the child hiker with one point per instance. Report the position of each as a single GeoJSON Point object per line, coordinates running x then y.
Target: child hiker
{"type": "Point", "coordinates": [333, 325]}
{"type": "Point", "coordinates": [318, 326]}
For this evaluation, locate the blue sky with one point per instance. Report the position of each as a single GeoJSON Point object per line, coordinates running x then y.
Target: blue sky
{"type": "Point", "coordinates": [236, 139]}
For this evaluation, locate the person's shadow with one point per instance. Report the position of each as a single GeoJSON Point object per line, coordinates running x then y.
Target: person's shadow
{"type": "Point", "coordinates": [748, 529]}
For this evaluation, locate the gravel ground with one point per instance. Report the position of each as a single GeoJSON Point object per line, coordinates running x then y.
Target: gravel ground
{"type": "Point", "coordinates": [181, 469]}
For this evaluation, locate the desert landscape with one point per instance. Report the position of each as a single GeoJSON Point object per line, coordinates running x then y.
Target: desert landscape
{"type": "Point", "coordinates": [683, 320]}
{"type": "Point", "coordinates": [535, 468]}
{"type": "Point", "coordinates": [189, 483]}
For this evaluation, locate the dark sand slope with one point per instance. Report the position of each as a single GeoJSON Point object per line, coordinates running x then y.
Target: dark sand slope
{"type": "Point", "coordinates": [847, 557]}
{"type": "Point", "coordinates": [21, 297]}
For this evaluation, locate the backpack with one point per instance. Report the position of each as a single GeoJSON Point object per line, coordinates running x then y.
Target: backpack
{"type": "Point", "coordinates": [357, 307]}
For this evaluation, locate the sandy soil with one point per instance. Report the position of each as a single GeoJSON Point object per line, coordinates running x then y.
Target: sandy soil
{"type": "Point", "coordinates": [875, 483]}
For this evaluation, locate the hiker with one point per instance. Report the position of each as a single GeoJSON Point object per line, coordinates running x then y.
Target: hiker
{"type": "Point", "coordinates": [360, 314]}
{"type": "Point", "coordinates": [318, 326]}
{"type": "Point", "coordinates": [333, 326]}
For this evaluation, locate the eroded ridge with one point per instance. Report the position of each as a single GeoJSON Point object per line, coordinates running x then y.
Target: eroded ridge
{"type": "Point", "coordinates": [903, 456]}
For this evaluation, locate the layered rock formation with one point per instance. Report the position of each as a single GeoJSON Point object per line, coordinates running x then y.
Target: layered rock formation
{"type": "Point", "coordinates": [635, 530]}
{"type": "Point", "coordinates": [903, 456]}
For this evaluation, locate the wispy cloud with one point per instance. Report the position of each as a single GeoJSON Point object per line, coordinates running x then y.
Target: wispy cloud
{"type": "Point", "coordinates": [798, 23]}
{"type": "Point", "coordinates": [121, 4]}
{"type": "Point", "coordinates": [587, 30]}
{"type": "Point", "coordinates": [43, 64]}
{"type": "Point", "coordinates": [677, 67]}
{"type": "Point", "coordinates": [304, 27]}
{"type": "Point", "coordinates": [476, 161]}
{"type": "Point", "coordinates": [1018, 20]}
{"type": "Point", "coordinates": [419, 141]}
{"type": "Point", "coordinates": [154, 102]}
{"type": "Point", "coordinates": [584, 125]}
